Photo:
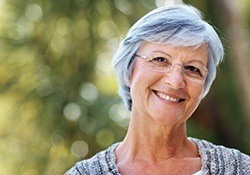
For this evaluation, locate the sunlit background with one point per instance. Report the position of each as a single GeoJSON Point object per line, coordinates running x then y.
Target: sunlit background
{"type": "Point", "coordinates": [58, 92]}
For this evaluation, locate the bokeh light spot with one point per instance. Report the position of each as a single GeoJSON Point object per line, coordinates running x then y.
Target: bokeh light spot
{"type": "Point", "coordinates": [112, 45]}
{"type": "Point", "coordinates": [34, 12]}
{"type": "Point", "coordinates": [89, 92]}
{"type": "Point", "coordinates": [119, 114]}
{"type": "Point", "coordinates": [64, 26]}
{"type": "Point", "coordinates": [43, 82]}
{"type": "Point", "coordinates": [82, 29]}
{"type": "Point", "coordinates": [17, 147]}
{"type": "Point", "coordinates": [72, 111]}
{"type": "Point", "coordinates": [103, 62]}
{"type": "Point", "coordinates": [107, 29]}
{"type": "Point", "coordinates": [58, 44]}
{"type": "Point", "coordinates": [24, 28]}
{"type": "Point", "coordinates": [125, 7]}
{"type": "Point", "coordinates": [79, 149]}
{"type": "Point", "coordinates": [160, 3]}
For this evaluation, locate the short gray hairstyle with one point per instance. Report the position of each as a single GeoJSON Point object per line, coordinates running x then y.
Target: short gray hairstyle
{"type": "Point", "coordinates": [177, 25]}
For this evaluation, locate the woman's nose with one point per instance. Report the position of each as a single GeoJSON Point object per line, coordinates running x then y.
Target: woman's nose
{"type": "Point", "coordinates": [175, 78]}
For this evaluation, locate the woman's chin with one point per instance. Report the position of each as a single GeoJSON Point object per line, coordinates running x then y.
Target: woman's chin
{"type": "Point", "coordinates": [167, 118]}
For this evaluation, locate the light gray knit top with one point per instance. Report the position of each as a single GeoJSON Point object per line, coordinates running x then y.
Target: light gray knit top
{"type": "Point", "coordinates": [216, 160]}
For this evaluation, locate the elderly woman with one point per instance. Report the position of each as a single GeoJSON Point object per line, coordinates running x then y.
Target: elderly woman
{"type": "Point", "coordinates": [165, 67]}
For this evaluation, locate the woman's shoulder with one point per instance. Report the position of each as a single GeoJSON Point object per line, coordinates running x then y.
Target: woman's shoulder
{"type": "Point", "coordinates": [222, 159]}
{"type": "Point", "coordinates": [100, 163]}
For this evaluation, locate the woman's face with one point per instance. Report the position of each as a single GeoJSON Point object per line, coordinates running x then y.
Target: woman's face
{"type": "Point", "coordinates": [167, 97]}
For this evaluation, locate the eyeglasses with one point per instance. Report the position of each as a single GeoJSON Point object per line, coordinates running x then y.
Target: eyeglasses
{"type": "Point", "coordinates": [194, 70]}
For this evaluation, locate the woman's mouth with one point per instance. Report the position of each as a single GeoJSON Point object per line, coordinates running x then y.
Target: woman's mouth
{"type": "Point", "coordinates": [168, 97]}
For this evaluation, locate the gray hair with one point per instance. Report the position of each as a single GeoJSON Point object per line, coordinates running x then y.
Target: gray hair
{"type": "Point", "coordinates": [177, 25]}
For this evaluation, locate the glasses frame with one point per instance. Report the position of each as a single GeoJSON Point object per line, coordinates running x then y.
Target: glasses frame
{"type": "Point", "coordinates": [193, 79]}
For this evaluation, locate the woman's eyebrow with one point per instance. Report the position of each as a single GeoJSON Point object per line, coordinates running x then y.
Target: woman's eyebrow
{"type": "Point", "coordinates": [158, 51]}
{"type": "Point", "coordinates": [196, 60]}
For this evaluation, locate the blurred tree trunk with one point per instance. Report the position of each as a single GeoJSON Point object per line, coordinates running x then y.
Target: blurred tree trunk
{"type": "Point", "coordinates": [232, 16]}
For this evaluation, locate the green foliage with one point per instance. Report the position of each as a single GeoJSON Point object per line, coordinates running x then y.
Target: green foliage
{"type": "Point", "coordinates": [57, 88]}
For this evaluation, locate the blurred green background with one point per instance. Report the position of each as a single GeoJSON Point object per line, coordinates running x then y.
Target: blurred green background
{"type": "Point", "coordinates": [58, 93]}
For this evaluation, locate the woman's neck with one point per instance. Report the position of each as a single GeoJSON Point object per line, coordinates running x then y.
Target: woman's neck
{"type": "Point", "coordinates": [154, 142]}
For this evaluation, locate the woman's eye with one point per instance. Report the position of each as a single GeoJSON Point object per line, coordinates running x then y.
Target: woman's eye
{"type": "Point", "coordinates": [160, 61]}
{"type": "Point", "coordinates": [192, 69]}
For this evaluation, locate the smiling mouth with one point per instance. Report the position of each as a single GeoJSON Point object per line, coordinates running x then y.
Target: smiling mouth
{"type": "Point", "coordinates": [168, 97]}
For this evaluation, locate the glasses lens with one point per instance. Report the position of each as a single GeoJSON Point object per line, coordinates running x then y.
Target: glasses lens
{"type": "Point", "coordinates": [194, 71]}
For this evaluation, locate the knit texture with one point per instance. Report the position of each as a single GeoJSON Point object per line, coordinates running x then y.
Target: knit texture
{"type": "Point", "coordinates": [216, 160]}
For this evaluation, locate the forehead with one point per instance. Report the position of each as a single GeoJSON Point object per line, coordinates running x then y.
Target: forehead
{"type": "Point", "coordinates": [185, 53]}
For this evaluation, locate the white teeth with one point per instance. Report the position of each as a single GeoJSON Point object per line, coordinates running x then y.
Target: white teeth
{"type": "Point", "coordinates": [166, 97]}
